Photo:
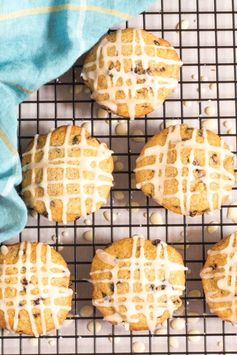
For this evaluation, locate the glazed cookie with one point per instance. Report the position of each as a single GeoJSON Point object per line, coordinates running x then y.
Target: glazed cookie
{"type": "Point", "coordinates": [66, 174]}
{"type": "Point", "coordinates": [138, 282]}
{"type": "Point", "coordinates": [131, 72]}
{"type": "Point", "coordinates": [34, 293]}
{"type": "Point", "coordinates": [187, 170]}
{"type": "Point", "coordinates": [219, 279]}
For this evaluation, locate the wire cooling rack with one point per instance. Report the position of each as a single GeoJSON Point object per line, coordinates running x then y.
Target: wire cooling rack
{"type": "Point", "coordinates": [208, 50]}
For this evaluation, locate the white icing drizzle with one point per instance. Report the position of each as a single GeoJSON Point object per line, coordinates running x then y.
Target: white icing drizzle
{"type": "Point", "coordinates": [84, 163]}
{"type": "Point", "coordinates": [153, 298]}
{"type": "Point", "coordinates": [29, 296]}
{"type": "Point", "coordinates": [211, 175]}
{"type": "Point", "coordinates": [226, 280]}
{"type": "Point", "coordinates": [152, 83]}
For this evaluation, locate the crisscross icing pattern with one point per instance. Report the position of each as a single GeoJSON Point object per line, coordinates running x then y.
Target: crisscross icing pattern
{"type": "Point", "coordinates": [226, 277]}
{"type": "Point", "coordinates": [129, 82]}
{"type": "Point", "coordinates": [155, 295]}
{"type": "Point", "coordinates": [36, 296]}
{"type": "Point", "coordinates": [84, 163]}
{"type": "Point", "coordinates": [216, 179]}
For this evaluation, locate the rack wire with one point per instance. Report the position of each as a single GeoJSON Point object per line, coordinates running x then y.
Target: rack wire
{"type": "Point", "coordinates": [208, 50]}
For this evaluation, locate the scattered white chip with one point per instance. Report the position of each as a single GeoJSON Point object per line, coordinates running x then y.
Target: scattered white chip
{"type": "Point", "coordinates": [114, 339]}
{"type": "Point", "coordinates": [161, 331]}
{"type": "Point", "coordinates": [212, 228]}
{"type": "Point", "coordinates": [194, 77]}
{"type": "Point", "coordinates": [53, 238]}
{"type": "Point", "coordinates": [65, 234]}
{"type": "Point", "coordinates": [119, 195]}
{"type": "Point", "coordinates": [119, 165]}
{"type": "Point", "coordinates": [121, 129]}
{"type": "Point", "coordinates": [52, 342]}
{"type": "Point", "coordinates": [194, 335]}
{"type": "Point", "coordinates": [107, 215]}
{"type": "Point", "coordinates": [155, 218]}
{"type": "Point", "coordinates": [101, 113]}
{"type": "Point", "coordinates": [94, 326]}
{"type": "Point", "coordinates": [183, 25]}
{"type": "Point", "coordinates": [169, 123]}
{"type": "Point", "coordinates": [87, 221]}
{"type": "Point", "coordinates": [187, 104]}
{"type": "Point", "coordinates": [86, 90]}
{"type": "Point", "coordinates": [228, 124]}
{"type": "Point", "coordinates": [4, 250]}
{"type": "Point", "coordinates": [213, 86]}
{"type": "Point", "coordinates": [231, 131]}
{"type": "Point", "coordinates": [174, 343]}
{"type": "Point", "coordinates": [194, 319]}
{"type": "Point", "coordinates": [86, 311]}
{"type": "Point", "coordinates": [194, 293]}
{"type": "Point", "coordinates": [203, 78]}
{"type": "Point", "coordinates": [7, 332]}
{"type": "Point", "coordinates": [209, 124]}
{"type": "Point", "coordinates": [88, 235]}
{"type": "Point", "coordinates": [60, 248]}
{"type": "Point", "coordinates": [210, 110]}
{"type": "Point", "coordinates": [220, 344]}
{"type": "Point", "coordinates": [34, 341]}
{"type": "Point", "coordinates": [178, 324]}
{"type": "Point", "coordinates": [138, 132]}
{"type": "Point", "coordinates": [87, 126]}
{"type": "Point", "coordinates": [138, 347]}
{"type": "Point", "coordinates": [232, 212]}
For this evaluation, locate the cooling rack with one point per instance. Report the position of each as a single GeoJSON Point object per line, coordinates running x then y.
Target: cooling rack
{"type": "Point", "coordinates": [206, 42]}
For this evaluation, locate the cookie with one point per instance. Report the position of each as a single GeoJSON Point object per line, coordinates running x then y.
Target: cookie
{"type": "Point", "coordinates": [131, 72]}
{"type": "Point", "coordinates": [187, 170]}
{"type": "Point", "coordinates": [219, 279]}
{"type": "Point", "coordinates": [137, 282]}
{"type": "Point", "coordinates": [66, 174]}
{"type": "Point", "coordinates": [34, 293]}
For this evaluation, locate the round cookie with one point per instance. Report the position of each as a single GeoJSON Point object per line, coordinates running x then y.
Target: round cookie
{"type": "Point", "coordinates": [187, 170]}
{"type": "Point", "coordinates": [131, 72]}
{"type": "Point", "coordinates": [66, 174]}
{"type": "Point", "coordinates": [138, 282]}
{"type": "Point", "coordinates": [34, 293]}
{"type": "Point", "coordinates": [219, 279]}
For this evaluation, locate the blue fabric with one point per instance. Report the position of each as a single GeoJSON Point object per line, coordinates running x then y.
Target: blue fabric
{"type": "Point", "coordinates": [40, 40]}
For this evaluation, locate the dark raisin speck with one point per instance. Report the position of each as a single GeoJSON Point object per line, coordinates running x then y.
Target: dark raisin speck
{"type": "Point", "coordinates": [36, 315]}
{"type": "Point", "coordinates": [24, 281]}
{"type": "Point", "coordinates": [193, 213]}
{"type": "Point", "coordinates": [38, 300]}
{"type": "Point", "coordinates": [162, 69]}
{"type": "Point", "coordinates": [214, 158]}
{"type": "Point", "coordinates": [156, 42]}
{"type": "Point", "coordinates": [111, 286]}
{"type": "Point", "coordinates": [156, 242]}
{"type": "Point", "coordinates": [75, 140]}
{"type": "Point", "coordinates": [152, 286]}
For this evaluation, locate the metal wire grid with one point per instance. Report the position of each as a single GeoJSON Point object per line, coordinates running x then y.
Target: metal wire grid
{"type": "Point", "coordinates": [208, 48]}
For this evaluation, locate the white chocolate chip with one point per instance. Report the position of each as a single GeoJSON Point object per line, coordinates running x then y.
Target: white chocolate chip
{"type": "Point", "coordinates": [114, 339]}
{"type": "Point", "coordinates": [231, 131]}
{"type": "Point", "coordinates": [220, 344]}
{"type": "Point", "coordinates": [88, 235]}
{"type": "Point", "coordinates": [187, 104]}
{"type": "Point", "coordinates": [60, 248]}
{"type": "Point", "coordinates": [194, 293]}
{"type": "Point", "coordinates": [174, 343]}
{"type": "Point", "coordinates": [53, 238]}
{"type": "Point", "coordinates": [178, 324]}
{"type": "Point", "coordinates": [232, 212]}
{"type": "Point", "coordinates": [34, 341]}
{"type": "Point", "coordinates": [169, 123]}
{"type": "Point", "coordinates": [161, 331]}
{"type": "Point", "coordinates": [193, 320]}
{"type": "Point", "coordinates": [94, 326]}
{"type": "Point", "coordinates": [101, 113]}
{"type": "Point", "coordinates": [119, 195]}
{"type": "Point", "coordinates": [228, 124]}
{"type": "Point", "coordinates": [183, 25]}
{"type": "Point", "coordinates": [155, 218]}
{"type": "Point", "coordinates": [192, 338]}
{"type": "Point", "coordinates": [87, 126]}
{"type": "Point", "coordinates": [138, 347]}
{"type": "Point", "coordinates": [52, 342]}
{"type": "Point", "coordinates": [121, 129]}
{"type": "Point", "coordinates": [86, 311]}
{"type": "Point", "coordinates": [87, 221]}
{"type": "Point", "coordinates": [138, 132]}
{"type": "Point", "coordinates": [212, 228]}
{"type": "Point", "coordinates": [210, 110]}
{"type": "Point", "coordinates": [194, 77]}
{"type": "Point", "coordinates": [107, 215]}
{"type": "Point", "coordinates": [119, 166]}
{"type": "Point", "coordinates": [65, 234]}
{"type": "Point", "coordinates": [4, 250]}
{"type": "Point", "coordinates": [203, 78]}
{"type": "Point", "coordinates": [213, 86]}
{"type": "Point", "coordinates": [209, 124]}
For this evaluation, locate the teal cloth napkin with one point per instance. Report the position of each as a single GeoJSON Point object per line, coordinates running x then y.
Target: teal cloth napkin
{"type": "Point", "coordinates": [40, 40]}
